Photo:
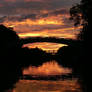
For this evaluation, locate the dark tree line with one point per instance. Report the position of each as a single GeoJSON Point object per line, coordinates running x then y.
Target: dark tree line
{"type": "Point", "coordinates": [78, 56]}
{"type": "Point", "coordinates": [81, 14]}
{"type": "Point", "coordinates": [9, 67]}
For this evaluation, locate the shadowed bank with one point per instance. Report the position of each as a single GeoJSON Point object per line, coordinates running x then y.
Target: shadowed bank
{"type": "Point", "coordinates": [13, 57]}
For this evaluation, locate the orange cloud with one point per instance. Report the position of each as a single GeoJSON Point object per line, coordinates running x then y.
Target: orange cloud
{"type": "Point", "coordinates": [50, 26]}
{"type": "Point", "coordinates": [60, 33]}
{"type": "Point", "coordinates": [42, 21]}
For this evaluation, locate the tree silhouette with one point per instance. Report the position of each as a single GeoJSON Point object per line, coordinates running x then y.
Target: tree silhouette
{"type": "Point", "coordinates": [10, 69]}
{"type": "Point", "coordinates": [80, 13]}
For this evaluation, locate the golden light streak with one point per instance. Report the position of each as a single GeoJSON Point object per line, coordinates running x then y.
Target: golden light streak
{"type": "Point", "coordinates": [22, 35]}
{"type": "Point", "coordinates": [11, 26]}
{"type": "Point", "coordinates": [41, 34]}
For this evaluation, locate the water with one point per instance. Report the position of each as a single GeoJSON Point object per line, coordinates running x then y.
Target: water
{"type": "Point", "coordinates": [67, 84]}
{"type": "Point", "coordinates": [47, 68]}
{"type": "Point", "coordinates": [48, 86]}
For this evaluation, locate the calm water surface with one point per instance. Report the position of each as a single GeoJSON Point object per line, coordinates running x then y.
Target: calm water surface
{"type": "Point", "coordinates": [60, 85]}
{"type": "Point", "coordinates": [48, 86]}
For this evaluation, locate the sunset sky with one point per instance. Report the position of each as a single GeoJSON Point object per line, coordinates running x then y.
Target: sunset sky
{"type": "Point", "coordinates": [39, 17]}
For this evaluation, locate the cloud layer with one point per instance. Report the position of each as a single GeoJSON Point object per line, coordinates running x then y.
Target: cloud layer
{"type": "Point", "coordinates": [38, 17]}
{"type": "Point", "coordinates": [45, 18]}
{"type": "Point", "coordinates": [15, 7]}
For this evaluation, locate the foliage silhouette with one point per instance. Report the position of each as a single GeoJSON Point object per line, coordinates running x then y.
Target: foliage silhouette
{"type": "Point", "coordinates": [34, 56]}
{"type": "Point", "coordinates": [81, 14]}
{"type": "Point", "coordinates": [9, 66]}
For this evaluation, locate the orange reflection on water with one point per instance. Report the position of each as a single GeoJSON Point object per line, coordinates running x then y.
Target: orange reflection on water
{"type": "Point", "coordinates": [48, 86]}
{"type": "Point", "coordinates": [48, 68]}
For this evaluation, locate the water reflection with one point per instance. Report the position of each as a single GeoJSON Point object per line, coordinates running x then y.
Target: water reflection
{"type": "Point", "coordinates": [60, 85]}
{"type": "Point", "coordinates": [48, 86]}
{"type": "Point", "coordinates": [47, 68]}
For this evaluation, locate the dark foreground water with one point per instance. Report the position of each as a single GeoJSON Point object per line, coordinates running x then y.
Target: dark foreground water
{"type": "Point", "coordinates": [61, 85]}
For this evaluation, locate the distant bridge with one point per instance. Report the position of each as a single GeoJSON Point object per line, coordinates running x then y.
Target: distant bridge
{"type": "Point", "coordinates": [50, 39]}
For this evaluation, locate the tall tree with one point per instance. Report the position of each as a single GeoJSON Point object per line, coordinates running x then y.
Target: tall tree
{"type": "Point", "coordinates": [81, 14]}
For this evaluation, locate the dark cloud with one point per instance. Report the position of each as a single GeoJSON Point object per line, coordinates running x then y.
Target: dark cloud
{"type": "Point", "coordinates": [13, 7]}
{"type": "Point", "coordinates": [62, 11]}
{"type": "Point", "coordinates": [50, 27]}
{"type": "Point", "coordinates": [55, 13]}
{"type": "Point", "coordinates": [22, 8]}
{"type": "Point", "coordinates": [18, 18]}
{"type": "Point", "coordinates": [33, 16]}
{"type": "Point", "coordinates": [2, 19]}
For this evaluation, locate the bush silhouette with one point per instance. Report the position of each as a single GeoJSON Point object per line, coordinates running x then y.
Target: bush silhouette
{"type": "Point", "coordinates": [9, 64]}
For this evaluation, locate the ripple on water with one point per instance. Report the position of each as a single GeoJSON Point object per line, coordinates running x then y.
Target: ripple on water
{"type": "Point", "coordinates": [48, 86]}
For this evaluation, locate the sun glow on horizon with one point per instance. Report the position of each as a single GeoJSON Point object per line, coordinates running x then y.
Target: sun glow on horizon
{"type": "Point", "coordinates": [23, 35]}
{"type": "Point", "coordinates": [50, 26]}
{"type": "Point", "coordinates": [45, 46]}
